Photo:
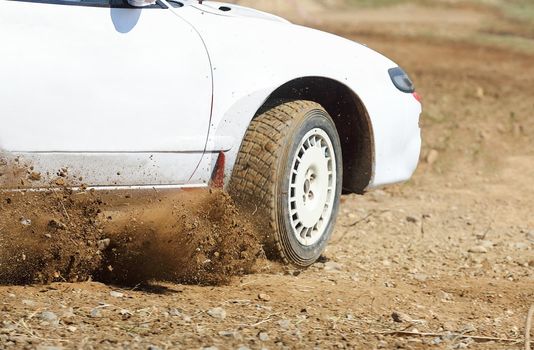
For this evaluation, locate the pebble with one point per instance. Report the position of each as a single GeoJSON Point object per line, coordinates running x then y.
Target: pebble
{"type": "Point", "coordinates": [34, 176]}
{"type": "Point", "coordinates": [103, 244]}
{"type": "Point", "coordinates": [243, 347]}
{"type": "Point", "coordinates": [228, 334]}
{"type": "Point", "coordinates": [390, 284]}
{"type": "Point", "coordinates": [25, 222]}
{"type": "Point", "coordinates": [444, 296]}
{"type": "Point", "coordinates": [175, 312]}
{"type": "Point", "coordinates": [96, 313]}
{"type": "Point", "coordinates": [72, 329]}
{"type": "Point", "coordinates": [263, 336]}
{"type": "Point", "coordinates": [116, 294]}
{"type": "Point", "coordinates": [153, 347]}
{"type": "Point", "coordinates": [48, 316]}
{"type": "Point", "coordinates": [478, 249]}
{"type": "Point", "coordinates": [125, 314]}
{"type": "Point", "coordinates": [284, 324]}
{"type": "Point", "coordinates": [29, 302]}
{"type": "Point", "coordinates": [217, 312]}
{"type": "Point", "coordinates": [530, 236]}
{"type": "Point", "coordinates": [486, 244]}
{"type": "Point", "coordinates": [411, 219]}
{"type": "Point", "coordinates": [519, 246]}
{"type": "Point", "coordinates": [421, 277]}
{"type": "Point", "coordinates": [332, 266]}
{"type": "Point", "coordinates": [264, 297]}
{"type": "Point", "coordinates": [436, 341]}
{"type": "Point", "coordinates": [400, 317]}
{"type": "Point", "coordinates": [432, 156]}
{"type": "Point", "coordinates": [382, 344]}
{"type": "Point", "coordinates": [210, 348]}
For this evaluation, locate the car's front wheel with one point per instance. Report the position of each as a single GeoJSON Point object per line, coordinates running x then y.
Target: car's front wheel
{"type": "Point", "coordinates": [288, 174]}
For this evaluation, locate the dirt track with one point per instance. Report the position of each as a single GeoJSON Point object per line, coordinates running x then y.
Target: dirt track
{"type": "Point", "coordinates": [451, 251]}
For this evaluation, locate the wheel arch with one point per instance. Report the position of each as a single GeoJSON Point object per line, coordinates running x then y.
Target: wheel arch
{"type": "Point", "coordinates": [350, 117]}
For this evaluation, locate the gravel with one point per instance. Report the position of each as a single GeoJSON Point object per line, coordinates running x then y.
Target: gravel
{"type": "Point", "coordinates": [218, 313]}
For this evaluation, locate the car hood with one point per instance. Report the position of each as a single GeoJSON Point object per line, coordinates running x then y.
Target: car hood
{"type": "Point", "coordinates": [232, 10]}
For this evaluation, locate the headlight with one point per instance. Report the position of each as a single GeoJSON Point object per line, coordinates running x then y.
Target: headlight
{"type": "Point", "coordinates": [401, 80]}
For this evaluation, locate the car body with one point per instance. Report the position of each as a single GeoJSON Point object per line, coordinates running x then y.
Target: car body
{"type": "Point", "coordinates": [191, 94]}
{"type": "Point", "coordinates": [150, 97]}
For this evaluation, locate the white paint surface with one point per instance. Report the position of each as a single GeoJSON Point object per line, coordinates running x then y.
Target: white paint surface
{"type": "Point", "coordinates": [92, 85]}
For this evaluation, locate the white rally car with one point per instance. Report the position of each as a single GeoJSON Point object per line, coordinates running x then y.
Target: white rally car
{"type": "Point", "coordinates": [177, 94]}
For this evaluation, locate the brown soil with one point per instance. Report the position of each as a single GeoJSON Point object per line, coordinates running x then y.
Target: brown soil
{"type": "Point", "coordinates": [48, 236]}
{"type": "Point", "coordinates": [120, 237]}
{"type": "Point", "coordinates": [445, 261]}
{"type": "Point", "coordinates": [190, 237]}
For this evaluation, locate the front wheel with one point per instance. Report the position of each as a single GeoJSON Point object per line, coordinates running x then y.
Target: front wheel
{"type": "Point", "coordinates": [288, 173]}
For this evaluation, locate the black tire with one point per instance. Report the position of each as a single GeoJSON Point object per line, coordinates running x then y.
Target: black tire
{"type": "Point", "coordinates": [265, 167]}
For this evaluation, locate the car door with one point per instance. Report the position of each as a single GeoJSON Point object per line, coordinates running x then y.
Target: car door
{"type": "Point", "coordinates": [104, 89]}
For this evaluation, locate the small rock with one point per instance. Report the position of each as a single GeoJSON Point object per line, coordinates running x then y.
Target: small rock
{"type": "Point", "coordinates": [519, 246]}
{"type": "Point", "coordinates": [390, 284]}
{"type": "Point", "coordinates": [432, 156]}
{"type": "Point", "coordinates": [60, 182]}
{"type": "Point", "coordinates": [436, 341]}
{"type": "Point", "coordinates": [56, 224]}
{"type": "Point", "coordinates": [72, 329]}
{"type": "Point", "coordinates": [284, 324]}
{"type": "Point", "coordinates": [382, 344]}
{"type": "Point", "coordinates": [332, 266]}
{"type": "Point", "coordinates": [125, 314]}
{"type": "Point", "coordinates": [29, 302]}
{"type": "Point", "coordinates": [153, 347]}
{"type": "Point", "coordinates": [103, 244]}
{"type": "Point", "coordinates": [69, 313]}
{"type": "Point", "coordinates": [175, 312]}
{"type": "Point", "coordinates": [25, 222]}
{"type": "Point", "coordinates": [411, 219]}
{"type": "Point", "coordinates": [48, 316]}
{"type": "Point", "coordinates": [444, 296]}
{"type": "Point", "coordinates": [480, 92]}
{"type": "Point", "coordinates": [400, 317]}
{"type": "Point", "coordinates": [263, 336]}
{"type": "Point", "coordinates": [210, 348]}
{"type": "Point", "coordinates": [264, 297]}
{"type": "Point", "coordinates": [421, 277]}
{"type": "Point", "coordinates": [116, 294]}
{"type": "Point", "coordinates": [49, 347]}
{"type": "Point", "coordinates": [468, 328]}
{"type": "Point", "coordinates": [486, 244]}
{"type": "Point", "coordinates": [530, 236]}
{"type": "Point", "coordinates": [243, 347]}
{"type": "Point", "coordinates": [34, 176]}
{"type": "Point", "coordinates": [96, 313]}
{"type": "Point", "coordinates": [217, 312]}
{"type": "Point", "coordinates": [228, 334]}
{"type": "Point", "coordinates": [478, 249]}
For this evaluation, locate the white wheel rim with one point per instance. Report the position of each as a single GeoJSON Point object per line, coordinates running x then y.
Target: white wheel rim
{"type": "Point", "coordinates": [312, 187]}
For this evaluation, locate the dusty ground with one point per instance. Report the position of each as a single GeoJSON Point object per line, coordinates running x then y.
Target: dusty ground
{"type": "Point", "coordinates": [449, 255]}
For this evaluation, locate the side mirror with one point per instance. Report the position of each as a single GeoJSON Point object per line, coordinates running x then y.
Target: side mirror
{"type": "Point", "coordinates": [141, 3]}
